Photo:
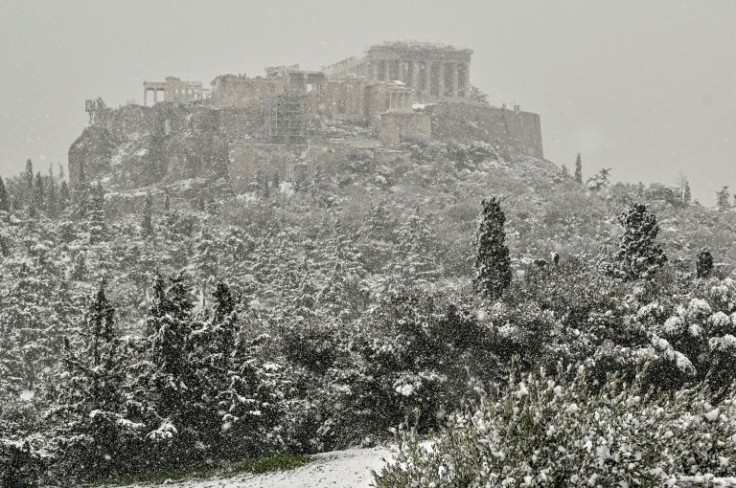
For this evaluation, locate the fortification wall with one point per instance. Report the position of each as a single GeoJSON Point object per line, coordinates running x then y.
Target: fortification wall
{"type": "Point", "coordinates": [241, 92]}
{"type": "Point", "coordinates": [514, 130]}
{"type": "Point", "coordinates": [248, 158]}
{"type": "Point", "coordinates": [392, 127]}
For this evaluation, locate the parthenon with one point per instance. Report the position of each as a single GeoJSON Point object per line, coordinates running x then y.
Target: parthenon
{"type": "Point", "coordinates": [434, 72]}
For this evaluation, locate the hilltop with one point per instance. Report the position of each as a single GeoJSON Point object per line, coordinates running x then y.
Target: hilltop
{"type": "Point", "coordinates": [211, 286]}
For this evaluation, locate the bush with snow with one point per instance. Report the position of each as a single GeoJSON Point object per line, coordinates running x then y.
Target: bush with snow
{"type": "Point", "coordinates": [555, 430]}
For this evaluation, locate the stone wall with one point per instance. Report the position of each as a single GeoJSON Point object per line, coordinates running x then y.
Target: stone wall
{"type": "Point", "coordinates": [344, 100]}
{"type": "Point", "coordinates": [242, 92]}
{"type": "Point", "coordinates": [247, 158]}
{"type": "Point", "coordinates": [513, 130]}
{"type": "Point", "coordinates": [393, 127]}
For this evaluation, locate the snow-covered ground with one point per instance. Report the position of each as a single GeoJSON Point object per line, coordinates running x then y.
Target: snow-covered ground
{"type": "Point", "coordinates": [340, 469]}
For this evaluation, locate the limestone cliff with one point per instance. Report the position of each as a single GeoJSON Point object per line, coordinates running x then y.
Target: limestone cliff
{"type": "Point", "coordinates": [138, 146]}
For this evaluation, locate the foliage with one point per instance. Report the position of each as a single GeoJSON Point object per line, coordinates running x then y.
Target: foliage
{"type": "Point", "coordinates": [543, 430]}
{"type": "Point", "coordinates": [639, 255]}
{"type": "Point", "coordinates": [492, 263]}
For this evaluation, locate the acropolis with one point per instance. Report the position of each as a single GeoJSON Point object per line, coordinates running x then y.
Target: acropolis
{"type": "Point", "coordinates": [392, 93]}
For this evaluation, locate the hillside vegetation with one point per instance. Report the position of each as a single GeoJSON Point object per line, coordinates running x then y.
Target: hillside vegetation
{"type": "Point", "coordinates": [141, 330]}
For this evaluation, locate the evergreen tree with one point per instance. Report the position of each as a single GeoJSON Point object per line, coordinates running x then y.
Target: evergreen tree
{"type": "Point", "coordinates": [29, 178]}
{"type": "Point", "coordinates": [565, 172]}
{"type": "Point", "coordinates": [211, 345]}
{"type": "Point", "coordinates": [147, 220]}
{"type": "Point", "coordinates": [416, 261]}
{"type": "Point", "coordinates": [686, 195]}
{"type": "Point", "coordinates": [639, 255]}
{"type": "Point", "coordinates": [492, 262]}
{"type": "Point", "coordinates": [65, 196]}
{"type": "Point", "coordinates": [38, 192]}
{"type": "Point", "coordinates": [93, 403]}
{"type": "Point", "coordinates": [4, 199]}
{"type": "Point", "coordinates": [52, 206]}
{"type": "Point", "coordinates": [276, 181]}
{"type": "Point", "coordinates": [167, 202]}
{"type": "Point", "coordinates": [722, 199]}
{"type": "Point", "coordinates": [599, 180]}
{"type": "Point", "coordinates": [704, 265]}
{"type": "Point", "coordinates": [579, 169]}
{"type": "Point", "coordinates": [170, 321]}
{"type": "Point", "coordinates": [82, 194]}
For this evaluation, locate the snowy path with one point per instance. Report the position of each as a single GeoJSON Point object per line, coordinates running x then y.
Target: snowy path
{"type": "Point", "coordinates": [339, 469]}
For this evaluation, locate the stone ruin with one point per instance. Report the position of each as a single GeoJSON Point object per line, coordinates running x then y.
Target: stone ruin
{"type": "Point", "coordinates": [393, 92]}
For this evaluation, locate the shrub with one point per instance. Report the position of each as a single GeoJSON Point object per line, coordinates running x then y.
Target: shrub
{"type": "Point", "coordinates": [557, 431]}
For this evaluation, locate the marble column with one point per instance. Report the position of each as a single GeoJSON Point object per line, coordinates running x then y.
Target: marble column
{"type": "Point", "coordinates": [455, 76]}
{"type": "Point", "coordinates": [467, 80]}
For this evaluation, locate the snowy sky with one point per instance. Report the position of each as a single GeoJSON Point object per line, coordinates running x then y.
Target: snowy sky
{"type": "Point", "coordinates": [647, 88]}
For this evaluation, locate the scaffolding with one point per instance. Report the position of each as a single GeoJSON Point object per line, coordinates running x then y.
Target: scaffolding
{"type": "Point", "coordinates": [286, 119]}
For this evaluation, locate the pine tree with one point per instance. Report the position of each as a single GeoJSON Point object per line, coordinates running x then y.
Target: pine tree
{"type": "Point", "coordinates": [492, 262]}
{"type": "Point", "coordinates": [147, 220]}
{"type": "Point", "coordinates": [722, 199]}
{"type": "Point", "coordinates": [4, 199]}
{"type": "Point", "coordinates": [704, 265]}
{"type": "Point", "coordinates": [38, 192]}
{"type": "Point", "coordinates": [81, 194]}
{"type": "Point", "coordinates": [686, 195]}
{"type": "Point", "coordinates": [416, 261]}
{"type": "Point", "coordinates": [579, 169]}
{"type": "Point", "coordinates": [93, 402]}
{"type": "Point", "coordinates": [170, 321]}
{"type": "Point", "coordinates": [639, 255]}
{"type": "Point", "coordinates": [52, 206]}
{"type": "Point", "coordinates": [65, 196]}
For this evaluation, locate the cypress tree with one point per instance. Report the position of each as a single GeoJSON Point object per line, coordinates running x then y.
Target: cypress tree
{"type": "Point", "coordinates": [29, 177]}
{"type": "Point", "coordinates": [639, 255]}
{"type": "Point", "coordinates": [686, 195]}
{"type": "Point", "coordinates": [579, 169]}
{"type": "Point", "coordinates": [722, 199]}
{"type": "Point", "coordinates": [4, 199]}
{"type": "Point", "coordinates": [704, 265]}
{"type": "Point", "coordinates": [492, 262]}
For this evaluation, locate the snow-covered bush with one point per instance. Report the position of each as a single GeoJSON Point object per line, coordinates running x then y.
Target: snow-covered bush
{"type": "Point", "coordinates": [554, 430]}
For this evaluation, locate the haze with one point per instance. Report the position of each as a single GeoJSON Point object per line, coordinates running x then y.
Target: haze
{"type": "Point", "coordinates": [645, 88]}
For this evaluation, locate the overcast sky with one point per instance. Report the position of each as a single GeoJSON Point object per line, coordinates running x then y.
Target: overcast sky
{"type": "Point", "coordinates": [647, 88]}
